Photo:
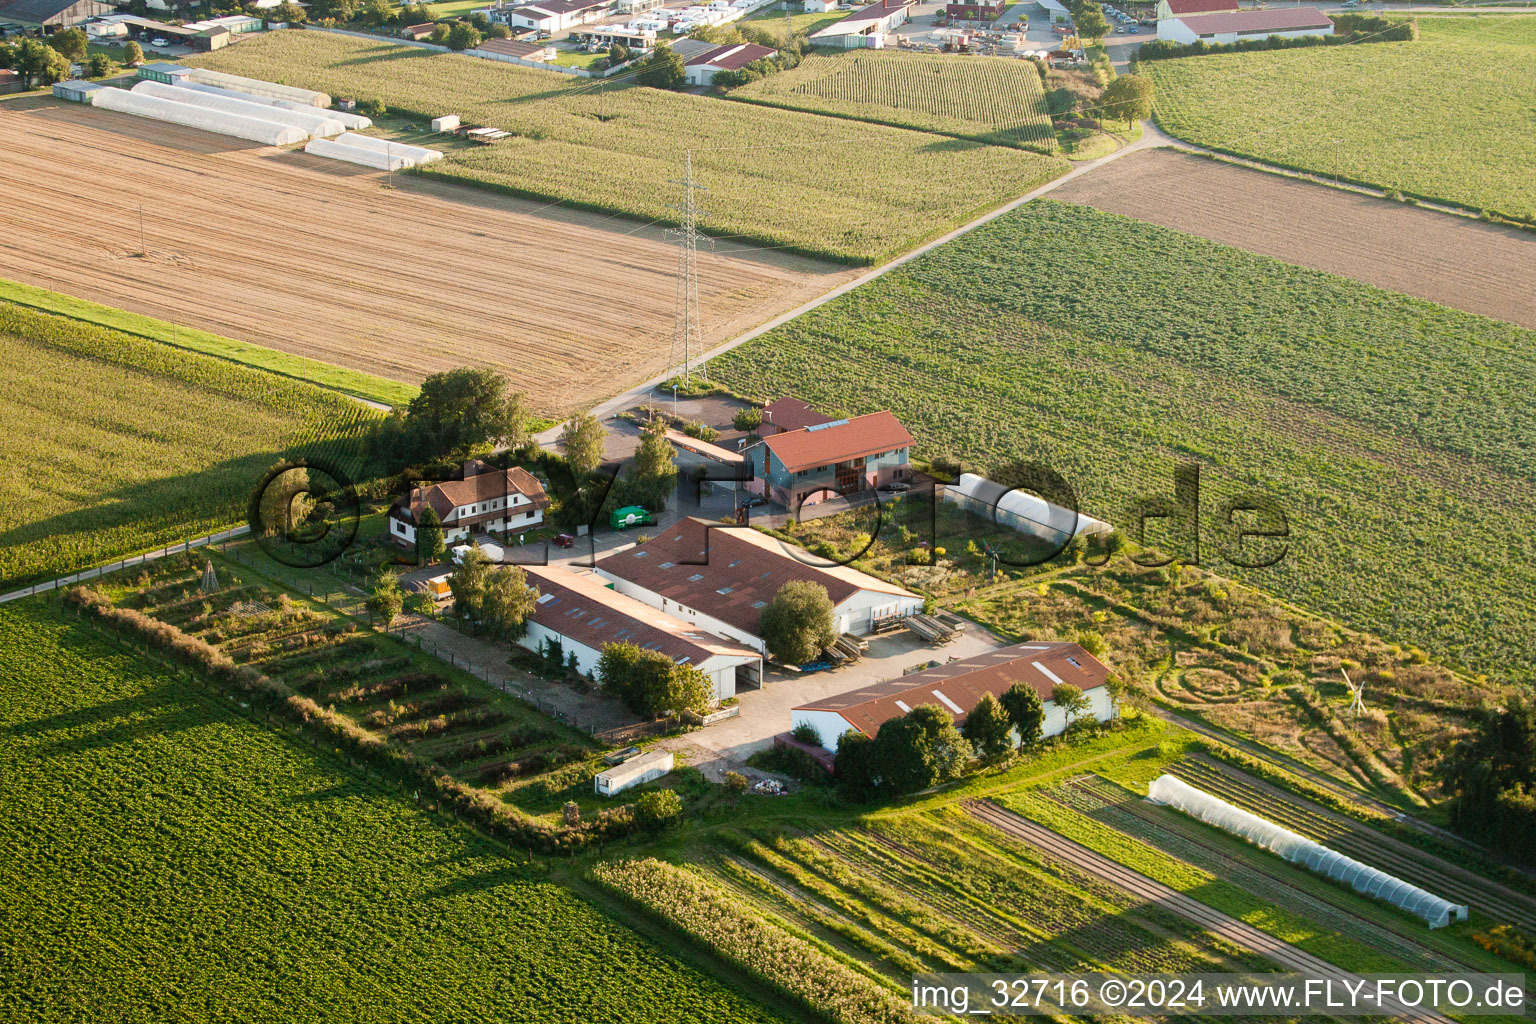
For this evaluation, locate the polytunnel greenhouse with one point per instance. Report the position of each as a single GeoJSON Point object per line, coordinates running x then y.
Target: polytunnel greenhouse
{"type": "Point", "coordinates": [268, 133]}
{"type": "Point", "coordinates": [311, 123]}
{"type": "Point", "coordinates": [256, 87]}
{"type": "Point", "coordinates": [351, 122]}
{"type": "Point", "coordinates": [416, 154]}
{"type": "Point", "coordinates": [358, 155]}
{"type": "Point", "coordinates": [1298, 849]}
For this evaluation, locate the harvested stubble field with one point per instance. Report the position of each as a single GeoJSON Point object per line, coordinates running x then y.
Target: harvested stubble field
{"type": "Point", "coordinates": [168, 446]}
{"type": "Point", "coordinates": [990, 99]}
{"type": "Point", "coordinates": [1449, 116]}
{"type": "Point", "coordinates": [301, 255]}
{"type": "Point", "coordinates": [1471, 265]}
{"type": "Point", "coordinates": [859, 193]}
{"type": "Point", "coordinates": [168, 858]}
{"type": "Point", "coordinates": [1395, 434]}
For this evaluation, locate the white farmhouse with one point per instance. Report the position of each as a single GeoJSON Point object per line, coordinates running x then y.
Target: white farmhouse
{"type": "Point", "coordinates": [508, 501]}
{"type": "Point", "coordinates": [957, 687]}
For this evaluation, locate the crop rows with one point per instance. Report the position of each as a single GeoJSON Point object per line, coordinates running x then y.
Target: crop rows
{"type": "Point", "coordinates": [1390, 431]}
{"type": "Point", "coordinates": [989, 99]}
{"type": "Point", "coordinates": [162, 857]}
{"type": "Point", "coordinates": [1451, 116]}
{"type": "Point", "coordinates": [816, 185]}
{"type": "Point", "coordinates": [168, 445]}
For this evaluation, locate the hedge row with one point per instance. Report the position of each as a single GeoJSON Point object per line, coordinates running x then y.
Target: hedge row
{"type": "Point", "coordinates": [1347, 29]}
{"type": "Point", "coordinates": [477, 806]}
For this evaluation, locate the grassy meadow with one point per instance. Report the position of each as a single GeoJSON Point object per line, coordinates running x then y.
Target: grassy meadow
{"type": "Point", "coordinates": [990, 99]}
{"type": "Point", "coordinates": [815, 185]}
{"type": "Point", "coordinates": [119, 444]}
{"type": "Point", "coordinates": [1450, 116]}
{"type": "Point", "coordinates": [1393, 433]}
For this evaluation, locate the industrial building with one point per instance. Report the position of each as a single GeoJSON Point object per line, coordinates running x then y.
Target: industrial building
{"type": "Point", "coordinates": [1180, 8]}
{"type": "Point", "coordinates": [701, 70]}
{"type": "Point", "coordinates": [720, 578]}
{"type": "Point", "coordinates": [957, 686]}
{"type": "Point", "coordinates": [581, 613]}
{"type": "Point", "coordinates": [867, 26]}
{"type": "Point", "coordinates": [51, 15]}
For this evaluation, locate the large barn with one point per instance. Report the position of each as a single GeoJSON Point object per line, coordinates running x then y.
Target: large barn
{"type": "Point", "coordinates": [721, 578]}
{"type": "Point", "coordinates": [957, 687]}
{"type": "Point", "coordinates": [50, 15]}
{"type": "Point", "coordinates": [1245, 26]}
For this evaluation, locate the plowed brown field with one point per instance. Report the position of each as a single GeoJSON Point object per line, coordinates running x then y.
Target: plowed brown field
{"type": "Point", "coordinates": [1455, 261]}
{"type": "Point", "coordinates": [320, 259]}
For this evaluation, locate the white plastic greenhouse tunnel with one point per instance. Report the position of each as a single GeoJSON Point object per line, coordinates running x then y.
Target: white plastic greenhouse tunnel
{"type": "Point", "coordinates": [417, 154]}
{"type": "Point", "coordinates": [256, 87]}
{"type": "Point", "coordinates": [268, 133]}
{"type": "Point", "coordinates": [357, 155]}
{"type": "Point", "coordinates": [312, 122]}
{"type": "Point", "coordinates": [351, 122]}
{"type": "Point", "coordinates": [1298, 849]}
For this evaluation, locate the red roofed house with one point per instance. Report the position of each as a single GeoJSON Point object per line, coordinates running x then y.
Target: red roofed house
{"type": "Point", "coordinates": [1242, 26]}
{"type": "Point", "coordinates": [865, 26]}
{"type": "Point", "coordinates": [701, 69]}
{"type": "Point", "coordinates": [582, 614]}
{"type": "Point", "coordinates": [838, 457]}
{"type": "Point", "coordinates": [1179, 8]}
{"type": "Point", "coordinates": [510, 500]}
{"type": "Point", "coordinates": [720, 578]}
{"type": "Point", "coordinates": [789, 413]}
{"type": "Point", "coordinates": [957, 687]}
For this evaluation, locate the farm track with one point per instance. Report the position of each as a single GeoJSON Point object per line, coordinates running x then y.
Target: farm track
{"type": "Point", "coordinates": [1456, 261]}
{"type": "Point", "coordinates": [288, 251]}
{"type": "Point", "coordinates": [1419, 867]}
{"type": "Point", "coordinates": [1281, 953]}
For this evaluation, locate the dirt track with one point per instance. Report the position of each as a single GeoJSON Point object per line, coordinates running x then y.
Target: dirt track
{"type": "Point", "coordinates": [318, 258]}
{"type": "Point", "coordinates": [1455, 261]}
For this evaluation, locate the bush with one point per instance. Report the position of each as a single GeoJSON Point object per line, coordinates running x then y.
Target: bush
{"type": "Point", "coordinates": [748, 419]}
{"type": "Point", "coordinates": [657, 809]}
{"type": "Point", "coordinates": [735, 782]}
{"type": "Point", "coordinates": [806, 733]}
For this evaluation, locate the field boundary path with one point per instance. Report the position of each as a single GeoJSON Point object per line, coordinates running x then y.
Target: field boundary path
{"type": "Point", "coordinates": [126, 563]}
{"type": "Point", "coordinates": [1282, 953]}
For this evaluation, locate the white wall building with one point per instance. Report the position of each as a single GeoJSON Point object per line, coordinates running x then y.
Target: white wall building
{"type": "Point", "coordinates": [1243, 26]}
{"type": "Point", "coordinates": [508, 501]}
{"type": "Point", "coordinates": [866, 26]}
{"type": "Point", "coordinates": [957, 687]}
{"type": "Point", "coordinates": [646, 767]}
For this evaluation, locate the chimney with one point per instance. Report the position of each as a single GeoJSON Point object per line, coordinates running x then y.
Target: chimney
{"type": "Point", "coordinates": [471, 468]}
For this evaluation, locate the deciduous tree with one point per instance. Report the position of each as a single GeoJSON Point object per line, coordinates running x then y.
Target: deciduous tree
{"type": "Point", "coordinates": [1071, 699]}
{"type": "Point", "coordinates": [1027, 713]}
{"type": "Point", "coordinates": [987, 729]}
{"type": "Point", "coordinates": [582, 442]}
{"type": "Point", "coordinates": [71, 42]}
{"type": "Point", "coordinates": [430, 545]}
{"type": "Point", "coordinates": [1128, 97]}
{"type": "Point", "coordinates": [385, 601]}
{"type": "Point", "coordinates": [458, 410]}
{"type": "Point", "coordinates": [797, 624]}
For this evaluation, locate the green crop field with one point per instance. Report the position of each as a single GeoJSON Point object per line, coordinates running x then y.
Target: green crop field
{"type": "Point", "coordinates": [816, 185]}
{"type": "Point", "coordinates": [164, 858]}
{"type": "Point", "coordinates": [1395, 434]}
{"type": "Point", "coordinates": [117, 444]}
{"type": "Point", "coordinates": [1450, 116]}
{"type": "Point", "coordinates": [990, 99]}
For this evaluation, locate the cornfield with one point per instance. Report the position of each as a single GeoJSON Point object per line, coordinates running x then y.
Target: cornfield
{"type": "Point", "coordinates": [168, 446]}
{"type": "Point", "coordinates": [988, 99]}
{"type": "Point", "coordinates": [816, 185]}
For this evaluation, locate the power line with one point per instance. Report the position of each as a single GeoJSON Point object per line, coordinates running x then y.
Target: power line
{"type": "Point", "coordinates": [687, 331]}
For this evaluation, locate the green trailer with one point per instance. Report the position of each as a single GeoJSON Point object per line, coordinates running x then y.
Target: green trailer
{"type": "Point", "coordinates": [629, 515]}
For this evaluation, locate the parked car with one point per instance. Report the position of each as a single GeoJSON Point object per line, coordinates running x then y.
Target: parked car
{"type": "Point", "coordinates": [159, 41]}
{"type": "Point", "coordinates": [629, 516]}
{"type": "Point", "coordinates": [896, 485]}
{"type": "Point", "coordinates": [564, 540]}
{"type": "Point", "coordinates": [750, 501]}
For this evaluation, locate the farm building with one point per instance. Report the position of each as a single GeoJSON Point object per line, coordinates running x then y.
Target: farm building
{"type": "Point", "coordinates": [957, 687]}
{"type": "Point", "coordinates": [513, 50]}
{"type": "Point", "coordinates": [512, 500]}
{"type": "Point", "coordinates": [169, 74]}
{"type": "Point", "coordinates": [415, 33]}
{"type": "Point", "coordinates": [555, 15]}
{"type": "Point", "coordinates": [986, 10]}
{"type": "Point", "coordinates": [51, 15]}
{"type": "Point", "coordinates": [204, 36]}
{"type": "Point", "coordinates": [76, 91]}
{"type": "Point", "coordinates": [1020, 510]}
{"type": "Point", "coordinates": [314, 123]}
{"type": "Point", "coordinates": [10, 81]}
{"type": "Point", "coordinates": [1180, 8]}
{"type": "Point", "coordinates": [607, 35]}
{"type": "Point", "coordinates": [839, 457]}
{"type": "Point", "coordinates": [721, 578]}
{"type": "Point", "coordinates": [789, 413]}
{"type": "Point", "coordinates": [701, 70]}
{"type": "Point", "coordinates": [820, 6]}
{"type": "Point", "coordinates": [581, 613]}
{"type": "Point", "coordinates": [234, 24]}
{"type": "Point", "coordinates": [866, 26]}
{"type": "Point", "coordinates": [646, 767]}
{"type": "Point", "coordinates": [726, 468]}
{"type": "Point", "coordinates": [1242, 26]}
{"type": "Point", "coordinates": [239, 126]}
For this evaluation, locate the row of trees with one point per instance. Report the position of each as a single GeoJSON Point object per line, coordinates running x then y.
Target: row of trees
{"type": "Point", "coordinates": [924, 748]}
{"type": "Point", "coordinates": [44, 62]}
{"type": "Point", "coordinates": [1491, 778]}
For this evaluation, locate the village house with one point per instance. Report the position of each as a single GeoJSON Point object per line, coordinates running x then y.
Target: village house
{"type": "Point", "coordinates": [507, 501]}
{"type": "Point", "coordinates": [957, 686]}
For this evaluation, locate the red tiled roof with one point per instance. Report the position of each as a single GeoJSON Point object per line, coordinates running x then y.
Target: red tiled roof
{"type": "Point", "coordinates": [480, 483]}
{"type": "Point", "coordinates": [1041, 665]}
{"type": "Point", "coordinates": [789, 413]}
{"type": "Point", "coordinates": [839, 441]}
{"type": "Point", "coordinates": [874, 12]}
{"type": "Point", "coordinates": [732, 56]}
{"type": "Point", "coordinates": [730, 573]}
{"type": "Point", "coordinates": [510, 47]}
{"type": "Point", "coordinates": [1283, 19]}
{"type": "Point", "coordinates": [1179, 7]}
{"type": "Point", "coordinates": [582, 608]}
